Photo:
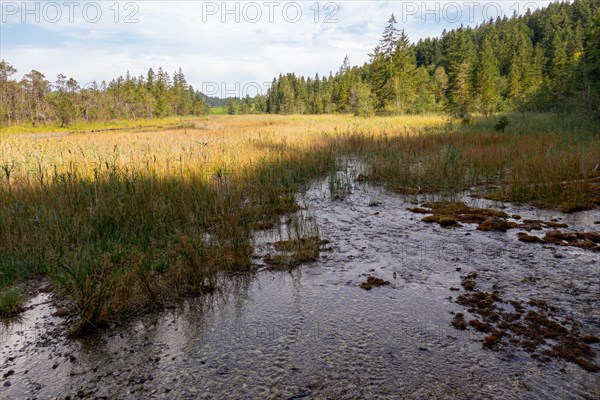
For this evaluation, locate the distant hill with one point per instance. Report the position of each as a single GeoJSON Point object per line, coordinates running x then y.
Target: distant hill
{"type": "Point", "coordinates": [212, 101]}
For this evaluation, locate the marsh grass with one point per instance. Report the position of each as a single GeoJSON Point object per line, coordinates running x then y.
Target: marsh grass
{"type": "Point", "coordinates": [300, 243]}
{"type": "Point", "coordinates": [10, 303]}
{"type": "Point", "coordinates": [293, 253]}
{"type": "Point", "coordinates": [130, 221]}
{"type": "Point", "coordinates": [82, 126]}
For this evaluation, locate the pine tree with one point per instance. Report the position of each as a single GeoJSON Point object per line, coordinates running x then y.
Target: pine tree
{"type": "Point", "coordinates": [318, 96]}
{"type": "Point", "coordinates": [272, 98]}
{"type": "Point", "coordinates": [461, 89]}
{"type": "Point", "coordinates": [380, 75]}
{"type": "Point", "coordinates": [150, 80]}
{"type": "Point", "coordinates": [543, 60]}
{"type": "Point", "coordinates": [488, 79]}
{"type": "Point", "coordinates": [8, 92]}
{"type": "Point", "coordinates": [460, 71]}
{"type": "Point", "coordinates": [390, 38]}
{"type": "Point", "coordinates": [342, 86]}
{"type": "Point", "coordinates": [533, 82]}
{"type": "Point", "coordinates": [392, 69]}
{"type": "Point", "coordinates": [287, 97]}
{"type": "Point", "coordinates": [36, 87]}
{"type": "Point", "coordinates": [591, 66]}
{"type": "Point", "coordinates": [559, 65]}
{"type": "Point", "coordinates": [441, 84]}
{"type": "Point", "coordinates": [361, 99]}
{"type": "Point", "coordinates": [425, 87]}
{"type": "Point", "coordinates": [403, 73]}
{"type": "Point", "coordinates": [161, 94]}
{"type": "Point", "coordinates": [231, 106]}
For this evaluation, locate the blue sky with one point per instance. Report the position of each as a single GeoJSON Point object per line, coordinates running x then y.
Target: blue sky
{"type": "Point", "coordinates": [224, 45]}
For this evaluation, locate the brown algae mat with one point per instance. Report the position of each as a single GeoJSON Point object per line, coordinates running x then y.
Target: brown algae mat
{"type": "Point", "coordinates": [533, 326]}
{"type": "Point", "coordinates": [452, 214]}
{"type": "Point", "coordinates": [584, 240]}
{"type": "Point", "coordinates": [373, 281]}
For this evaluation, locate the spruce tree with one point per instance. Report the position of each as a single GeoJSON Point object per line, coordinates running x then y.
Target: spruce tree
{"type": "Point", "coordinates": [488, 79]}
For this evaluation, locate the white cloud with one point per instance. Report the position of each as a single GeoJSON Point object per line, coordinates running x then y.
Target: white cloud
{"type": "Point", "coordinates": [212, 47]}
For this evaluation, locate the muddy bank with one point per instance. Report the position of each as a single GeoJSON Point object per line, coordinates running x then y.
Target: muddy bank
{"type": "Point", "coordinates": [315, 333]}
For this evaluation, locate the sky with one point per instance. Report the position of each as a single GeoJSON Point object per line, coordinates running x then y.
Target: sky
{"type": "Point", "coordinates": [225, 49]}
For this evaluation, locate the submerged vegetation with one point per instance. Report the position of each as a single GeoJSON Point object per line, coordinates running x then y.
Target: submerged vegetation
{"type": "Point", "coordinates": [125, 222]}
{"type": "Point", "coordinates": [302, 246]}
{"type": "Point", "coordinates": [292, 253]}
{"type": "Point", "coordinates": [373, 281]}
{"type": "Point", "coordinates": [533, 326]}
{"type": "Point", "coordinates": [585, 240]}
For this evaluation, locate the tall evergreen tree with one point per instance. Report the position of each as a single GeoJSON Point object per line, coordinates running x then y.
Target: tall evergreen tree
{"type": "Point", "coordinates": [460, 72]}
{"type": "Point", "coordinates": [488, 79]}
{"type": "Point", "coordinates": [392, 69]}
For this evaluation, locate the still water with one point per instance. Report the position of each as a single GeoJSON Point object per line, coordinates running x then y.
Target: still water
{"type": "Point", "coordinates": [314, 334]}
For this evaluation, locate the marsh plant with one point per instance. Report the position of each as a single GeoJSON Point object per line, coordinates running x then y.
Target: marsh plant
{"type": "Point", "coordinates": [10, 302]}
{"type": "Point", "coordinates": [300, 243]}
{"type": "Point", "coordinates": [342, 179]}
{"type": "Point", "coordinates": [132, 220]}
{"type": "Point", "coordinates": [340, 184]}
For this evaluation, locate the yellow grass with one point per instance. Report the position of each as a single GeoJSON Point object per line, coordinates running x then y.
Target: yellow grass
{"type": "Point", "coordinates": [233, 141]}
{"type": "Point", "coordinates": [81, 126]}
{"type": "Point", "coordinates": [125, 221]}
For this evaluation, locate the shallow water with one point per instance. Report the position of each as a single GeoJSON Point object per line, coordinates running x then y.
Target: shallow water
{"type": "Point", "coordinates": [315, 334]}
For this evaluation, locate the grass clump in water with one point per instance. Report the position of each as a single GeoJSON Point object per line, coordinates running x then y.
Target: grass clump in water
{"type": "Point", "coordinates": [303, 246]}
{"type": "Point", "coordinates": [10, 303]}
{"type": "Point", "coordinates": [294, 253]}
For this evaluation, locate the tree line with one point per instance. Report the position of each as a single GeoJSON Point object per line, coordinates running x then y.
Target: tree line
{"type": "Point", "coordinates": [544, 60]}
{"type": "Point", "coordinates": [34, 99]}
